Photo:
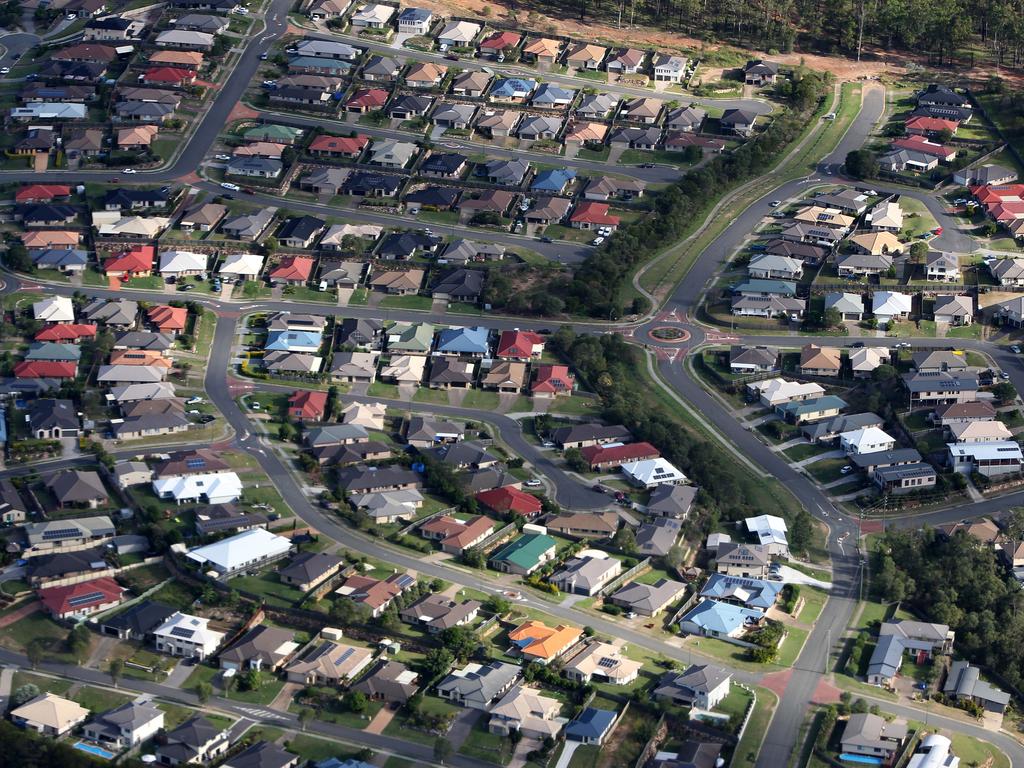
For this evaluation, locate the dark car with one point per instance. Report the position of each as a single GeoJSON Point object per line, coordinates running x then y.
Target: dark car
{"type": "Point", "coordinates": [598, 489]}
{"type": "Point", "coordinates": [857, 345]}
{"type": "Point", "coordinates": [185, 287]}
{"type": "Point", "coordinates": [546, 239]}
{"type": "Point", "coordinates": [452, 56]}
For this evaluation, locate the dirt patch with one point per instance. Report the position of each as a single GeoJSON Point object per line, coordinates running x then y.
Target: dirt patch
{"type": "Point", "coordinates": [825, 693]}
{"type": "Point", "coordinates": [241, 112]}
{"type": "Point", "coordinates": [20, 613]}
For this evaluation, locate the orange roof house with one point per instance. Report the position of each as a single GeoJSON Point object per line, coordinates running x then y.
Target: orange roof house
{"type": "Point", "coordinates": [50, 238]}
{"type": "Point", "coordinates": [137, 136]}
{"type": "Point", "coordinates": [147, 357]}
{"type": "Point", "coordinates": [45, 369]}
{"type": "Point", "coordinates": [499, 41]}
{"type": "Point", "coordinates": [307, 405]}
{"type": "Point", "coordinates": [340, 146]}
{"type": "Point", "coordinates": [137, 262]}
{"type": "Point", "coordinates": [168, 319]}
{"type": "Point", "coordinates": [923, 124]}
{"type": "Point", "coordinates": [542, 49]}
{"type": "Point", "coordinates": [593, 133]}
{"type": "Point", "coordinates": [552, 380]}
{"type": "Point", "coordinates": [537, 641]}
{"type": "Point", "coordinates": [186, 59]}
{"type": "Point", "coordinates": [589, 215]}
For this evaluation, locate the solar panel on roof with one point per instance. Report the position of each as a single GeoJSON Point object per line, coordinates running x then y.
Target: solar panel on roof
{"type": "Point", "coordinates": [60, 533]}
{"type": "Point", "coordinates": [344, 656]}
{"type": "Point", "coordinates": [606, 662]}
{"type": "Point", "coordinates": [195, 463]}
{"type": "Point", "coordinates": [83, 599]}
{"type": "Point", "coordinates": [182, 632]}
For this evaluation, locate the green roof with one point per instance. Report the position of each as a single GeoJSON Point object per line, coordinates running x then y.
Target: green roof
{"type": "Point", "coordinates": [825, 403]}
{"type": "Point", "coordinates": [271, 131]}
{"type": "Point", "coordinates": [526, 551]}
{"type": "Point", "coordinates": [412, 337]}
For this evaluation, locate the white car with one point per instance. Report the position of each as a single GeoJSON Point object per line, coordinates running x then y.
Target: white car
{"type": "Point", "coordinates": [533, 484]}
{"type": "Point", "coordinates": [775, 203]}
{"type": "Point", "coordinates": [194, 412]}
{"type": "Point", "coordinates": [222, 157]}
{"type": "Point", "coordinates": [597, 241]}
{"type": "Point", "coordinates": [229, 185]}
{"type": "Point", "coordinates": [5, 70]}
{"type": "Point", "coordinates": [129, 170]}
{"type": "Point", "coordinates": [194, 400]}
{"type": "Point", "coordinates": [255, 406]}
{"type": "Point", "coordinates": [547, 444]}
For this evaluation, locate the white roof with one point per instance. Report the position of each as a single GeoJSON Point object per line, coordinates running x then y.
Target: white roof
{"type": "Point", "coordinates": [775, 263]}
{"type": "Point", "coordinates": [219, 488]}
{"type": "Point", "coordinates": [980, 431]}
{"type": "Point", "coordinates": [373, 12]}
{"type": "Point", "coordinates": [653, 472]}
{"type": "Point", "coordinates": [890, 303]}
{"type": "Point", "coordinates": [194, 629]}
{"type": "Point", "coordinates": [459, 31]}
{"type": "Point", "coordinates": [888, 214]}
{"type": "Point", "coordinates": [233, 553]}
{"type": "Point", "coordinates": [184, 37]}
{"type": "Point", "coordinates": [866, 440]}
{"type": "Point", "coordinates": [242, 264]}
{"type": "Point", "coordinates": [147, 226]}
{"type": "Point", "coordinates": [769, 528]}
{"type": "Point", "coordinates": [868, 358]}
{"type": "Point", "coordinates": [994, 449]}
{"type": "Point", "coordinates": [55, 309]}
{"type": "Point", "coordinates": [182, 261]}
{"type": "Point", "coordinates": [780, 390]}
{"type": "Point", "coordinates": [52, 711]}
{"type": "Point", "coordinates": [934, 752]}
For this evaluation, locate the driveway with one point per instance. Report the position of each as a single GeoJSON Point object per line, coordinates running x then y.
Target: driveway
{"type": "Point", "coordinates": [567, 753]}
{"type": "Point", "coordinates": [178, 675]}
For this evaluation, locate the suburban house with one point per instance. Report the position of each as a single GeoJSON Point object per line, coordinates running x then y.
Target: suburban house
{"type": "Point", "coordinates": [535, 641]}
{"type": "Point", "coordinates": [700, 685]}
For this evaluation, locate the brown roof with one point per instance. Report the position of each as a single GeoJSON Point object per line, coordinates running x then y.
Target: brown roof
{"type": "Point", "coordinates": [813, 356]}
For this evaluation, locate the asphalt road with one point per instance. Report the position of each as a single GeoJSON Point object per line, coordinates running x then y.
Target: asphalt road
{"type": "Point", "coordinates": [560, 251]}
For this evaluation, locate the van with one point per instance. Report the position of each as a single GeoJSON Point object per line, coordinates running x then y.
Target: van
{"type": "Point", "coordinates": [323, 286]}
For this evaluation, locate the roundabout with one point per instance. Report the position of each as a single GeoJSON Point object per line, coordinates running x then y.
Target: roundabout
{"type": "Point", "coordinates": [669, 334]}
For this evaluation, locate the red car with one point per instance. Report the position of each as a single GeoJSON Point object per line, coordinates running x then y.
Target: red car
{"type": "Point", "coordinates": [937, 231]}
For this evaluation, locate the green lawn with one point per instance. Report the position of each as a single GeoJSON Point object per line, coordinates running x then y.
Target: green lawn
{"type": "Point", "coordinates": [814, 602]}
{"type": "Point", "coordinates": [55, 685]}
{"type": "Point", "coordinates": [433, 396]}
{"type": "Point", "coordinates": [148, 283]}
{"type": "Point", "coordinates": [585, 756]}
{"type": "Point", "coordinates": [801, 452]}
{"type": "Point", "coordinates": [99, 700]}
{"type": "Point", "coordinates": [638, 156]}
{"type": "Point", "coordinates": [269, 587]}
{"type": "Point", "coordinates": [480, 399]}
{"type": "Point", "coordinates": [251, 289]}
{"type": "Point", "coordinates": [314, 749]}
{"type": "Point", "coordinates": [305, 293]}
{"type": "Point", "coordinates": [415, 301]}
{"type": "Point", "coordinates": [826, 470]}
{"type": "Point", "coordinates": [486, 746]}
{"type": "Point", "coordinates": [745, 754]}
{"type": "Point", "coordinates": [792, 646]}
{"type": "Point", "coordinates": [972, 331]}
{"type": "Point", "coordinates": [358, 297]}
{"type": "Point", "coordinates": [348, 719]}
{"type": "Point", "coordinates": [380, 389]}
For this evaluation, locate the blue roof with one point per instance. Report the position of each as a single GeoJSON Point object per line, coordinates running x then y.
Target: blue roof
{"type": "Point", "coordinates": [414, 14]}
{"type": "Point", "coordinates": [719, 618]}
{"type": "Point", "coordinates": [464, 340]}
{"type": "Point", "coordinates": [3, 425]}
{"type": "Point", "coordinates": [754, 593]}
{"type": "Point", "coordinates": [827, 402]}
{"type": "Point", "coordinates": [59, 257]}
{"type": "Point", "coordinates": [591, 724]}
{"type": "Point", "coordinates": [551, 94]}
{"type": "Point", "coordinates": [553, 180]}
{"type": "Point", "coordinates": [510, 86]}
{"type": "Point", "coordinates": [334, 762]}
{"type": "Point", "coordinates": [781, 287]}
{"type": "Point", "coordinates": [289, 340]}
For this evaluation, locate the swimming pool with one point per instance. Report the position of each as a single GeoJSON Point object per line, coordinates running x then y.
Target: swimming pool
{"type": "Point", "coordinates": [867, 760]}
{"type": "Point", "coordinates": [92, 749]}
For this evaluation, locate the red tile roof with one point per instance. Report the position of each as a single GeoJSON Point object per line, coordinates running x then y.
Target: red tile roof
{"type": "Point", "coordinates": [925, 147]}
{"type": "Point", "coordinates": [368, 97]}
{"type": "Point", "coordinates": [594, 213]}
{"type": "Point", "coordinates": [86, 52]}
{"type": "Point", "coordinates": [603, 454]}
{"type": "Point", "coordinates": [67, 332]}
{"type": "Point", "coordinates": [137, 260]}
{"type": "Point", "coordinates": [308, 404]}
{"type": "Point", "coordinates": [925, 123]}
{"type": "Point", "coordinates": [509, 499]}
{"type": "Point", "coordinates": [345, 145]}
{"type": "Point", "coordinates": [442, 526]}
{"type": "Point", "coordinates": [501, 41]}
{"type": "Point", "coordinates": [469, 533]}
{"type": "Point", "coordinates": [518, 344]}
{"type": "Point", "coordinates": [293, 268]}
{"type": "Point", "coordinates": [169, 75]}
{"type": "Point", "coordinates": [76, 597]}
{"type": "Point", "coordinates": [45, 369]}
{"type": "Point", "coordinates": [41, 193]}
{"type": "Point", "coordinates": [168, 318]}
{"type": "Point", "coordinates": [552, 378]}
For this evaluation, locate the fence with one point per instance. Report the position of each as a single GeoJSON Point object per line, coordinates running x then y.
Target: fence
{"type": "Point", "coordinates": [641, 567]}
{"type": "Point", "coordinates": [90, 575]}
{"type": "Point", "coordinates": [497, 536]}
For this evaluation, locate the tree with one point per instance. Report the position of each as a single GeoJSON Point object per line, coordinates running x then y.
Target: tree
{"type": "Point", "coordinates": [305, 716]}
{"type": "Point", "coordinates": [229, 684]}
{"type": "Point", "coordinates": [17, 257]}
{"type": "Point", "coordinates": [254, 679]}
{"type": "Point", "coordinates": [78, 642]}
{"type": "Point", "coordinates": [203, 691]}
{"type": "Point", "coordinates": [24, 693]}
{"type": "Point", "coordinates": [347, 612]}
{"type": "Point", "coordinates": [575, 461]}
{"type": "Point", "coordinates": [833, 318]}
{"type": "Point", "coordinates": [356, 701]}
{"type": "Point", "coordinates": [625, 540]}
{"type": "Point", "coordinates": [116, 669]}
{"type": "Point", "coordinates": [442, 749]}
{"type": "Point", "coordinates": [461, 641]}
{"type": "Point", "coordinates": [801, 530]}
{"type": "Point", "coordinates": [676, 557]}
{"type": "Point", "coordinates": [437, 662]}
{"type": "Point", "coordinates": [883, 373]}
{"type": "Point", "coordinates": [862, 164]}
{"type": "Point", "coordinates": [498, 605]}
{"type": "Point", "coordinates": [286, 432]}
{"type": "Point", "coordinates": [1005, 391]}
{"type": "Point", "coordinates": [35, 652]}
{"type": "Point", "coordinates": [918, 250]}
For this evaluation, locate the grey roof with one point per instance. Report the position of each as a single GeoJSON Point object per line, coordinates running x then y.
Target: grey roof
{"type": "Point", "coordinates": [879, 458]}
{"type": "Point", "coordinates": [333, 434]}
{"type": "Point", "coordinates": [144, 340]}
{"type": "Point", "coordinates": [585, 432]}
{"type": "Point", "coordinates": [250, 224]}
{"type": "Point", "coordinates": [120, 312]}
{"type": "Point", "coordinates": [743, 554]}
{"type": "Point", "coordinates": [438, 612]}
{"type": "Point", "coordinates": [76, 486]}
{"type": "Point", "coordinates": [131, 715]}
{"type": "Point", "coordinates": [672, 500]}
{"type": "Point", "coordinates": [844, 302]}
{"type": "Point", "coordinates": [658, 537]}
{"type": "Point", "coordinates": [357, 479]}
{"type": "Point", "coordinates": [359, 331]}
{"type": "Point", "coordinates": [141, 618]}
{"type": "Point", "coordinates": [387, 681]}
{"type": "Point", "coordinates": [738, 117]}
{"type": "Point", "coordinates": [965, 680]}
{"type": "Point", "coordinates": [462, 283]}
{"type": "Point", "coordinates": [940, 381]}
{"type": "Point", "coordinates": [942, 359]}
{"type": "Point", "coordinates": [839, 424]}
{"type": "Point", "coordinates": [871, 731]}
{"type": "Point", "coordinates": [587, 572]}
{"type": "Point", "coordinates": [47, 414]}
{"type": "Point", "coordinates": [753, 355]}
{"type": "Point", "coordinates": [194, 733]}
{"type": "Point", "coordinates": [262, 754]}
{"type": "Point", "coordinates": [483, 685]}
{"type": "Point", "coordinates": [260, 643]}
{"type": "Point", "coordinates": [309, 566]}
{"type": "Point", "coordinates": [886, 658]}
{"type": "Point", "coordinates": [424, 428]}
{"type": "Point", "coordinates": [648, 597]}
{"type": "Point", "coordinates": [697, 678]}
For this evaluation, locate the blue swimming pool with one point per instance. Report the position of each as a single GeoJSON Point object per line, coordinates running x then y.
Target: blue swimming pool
{"type": "Point", "coordinates": [865, 759]}
{"type": "Point", "coordinates": [92, 749]}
